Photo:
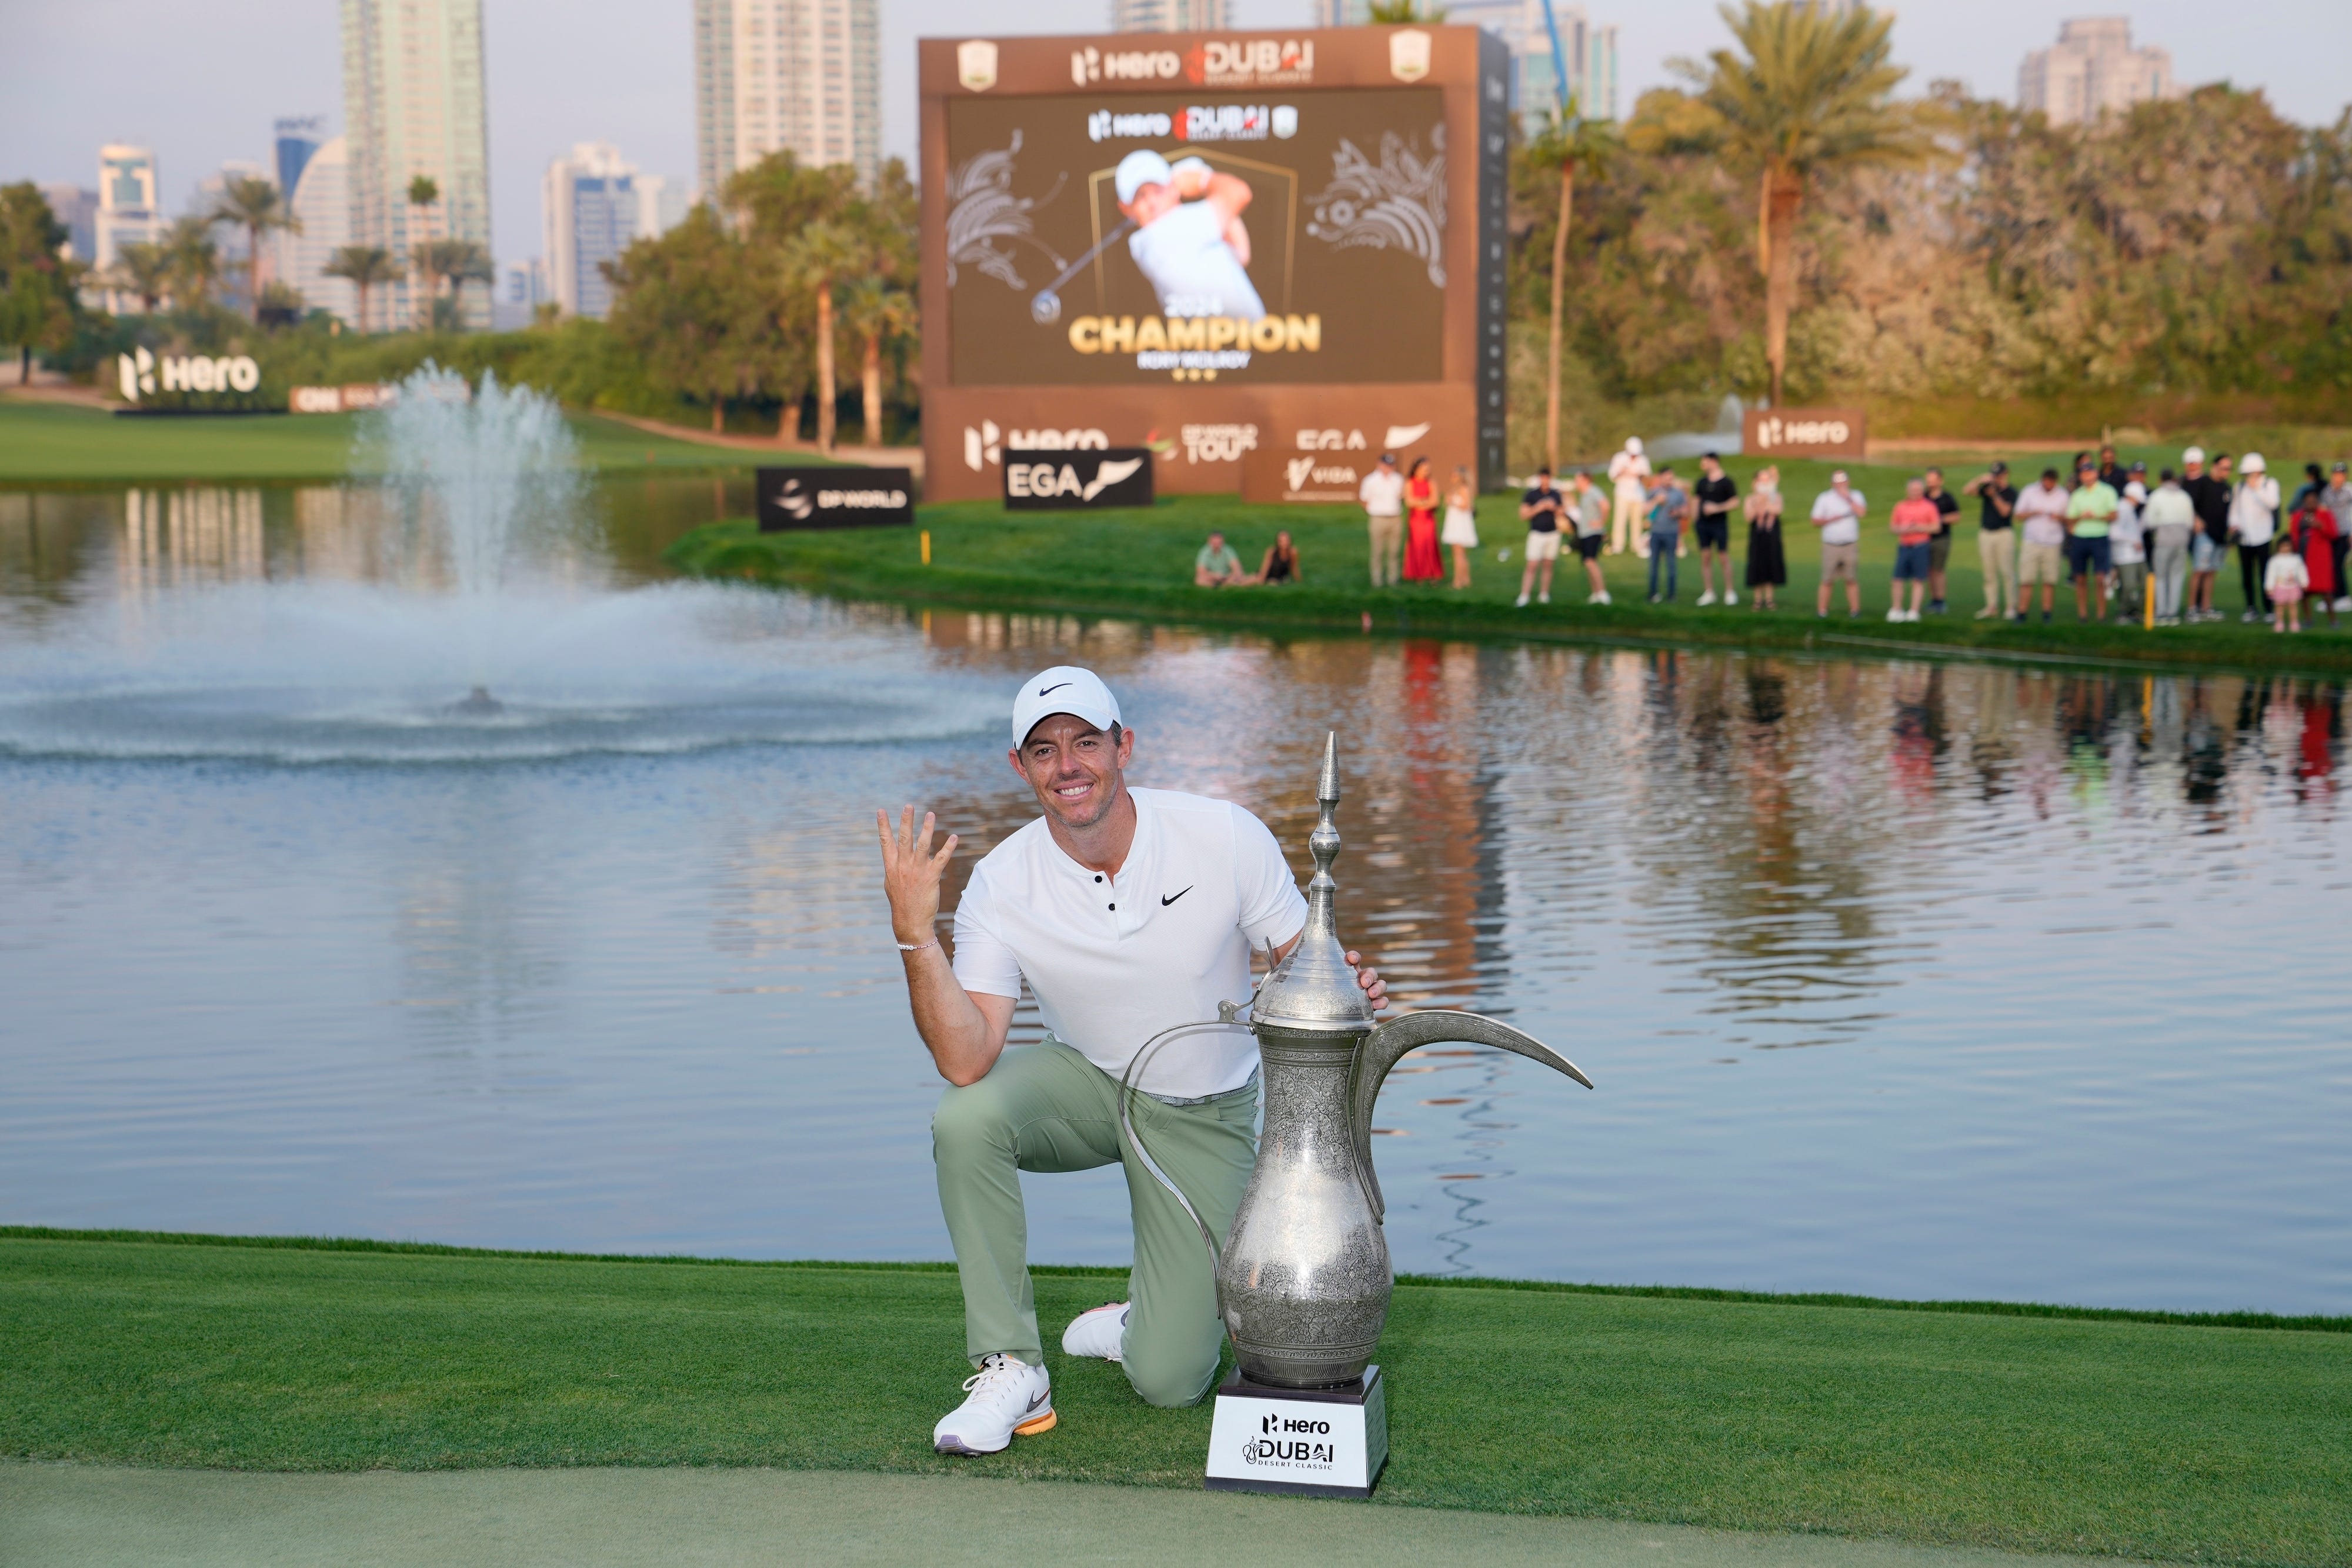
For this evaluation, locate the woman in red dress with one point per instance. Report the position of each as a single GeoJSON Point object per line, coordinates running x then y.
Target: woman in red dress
{"type": "Point", "coordinates": [2314, 533]}
{"type": "Point", "coordinates": [1420, 560]}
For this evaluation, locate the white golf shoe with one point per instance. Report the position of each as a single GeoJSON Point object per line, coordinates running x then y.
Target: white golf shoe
{"type": "Point", "coordinates": [1004, 1399]}
{"type": "Point", "coordinates": [1098, 1334]}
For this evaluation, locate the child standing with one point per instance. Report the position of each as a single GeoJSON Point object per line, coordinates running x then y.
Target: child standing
{"type": "Point", "coordinates": [2284, 579]}
{"type": "Point", "coordinates": [2127, 553]}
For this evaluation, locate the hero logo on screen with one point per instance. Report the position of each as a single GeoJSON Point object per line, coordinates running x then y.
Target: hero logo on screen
{"type": "Point", "coordinates": [1251, 62]}
{"type": "Point", "coordinates": [1090, 65]}
{"type": "Point", "coordinates": [984, 444]}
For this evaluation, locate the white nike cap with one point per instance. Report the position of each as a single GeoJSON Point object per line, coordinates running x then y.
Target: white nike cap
{"type": "Point", "coordinates": [1065, 689]}
{"type": "Point", "coordinates": [1140, 168]}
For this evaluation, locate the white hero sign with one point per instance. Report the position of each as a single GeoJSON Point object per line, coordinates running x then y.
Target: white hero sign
{"type": "Point", "coordinates": [142, 374]}
{"type": "Point", "coordinates": [1299, 1445]}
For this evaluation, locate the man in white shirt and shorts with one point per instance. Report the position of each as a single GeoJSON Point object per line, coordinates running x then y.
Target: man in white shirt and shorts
{"type": "Point", "coordinates": [1837, 512]}
{"type": "Point", "coordinates": [1127, 912]}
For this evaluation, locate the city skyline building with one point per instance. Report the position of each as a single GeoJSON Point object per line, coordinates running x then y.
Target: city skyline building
{"type": "Point", "coordinates": [522, 289]}
{"type": "Point", "coordinates": [128, 212]}
{"type": "Point", "coordinates": [76, 207]}
{"type": "Point", "coordinates": [2092, 70]}
{"type": "Point", "coordinates": [1168, 16]}
{"type": "Point", "coordinates": [298, 139]}
{"type": "Point", "coordinates": [594, 204]}
{"type": "Point", "coordinates": [414, 104]}
{"type": "Point", "coordinates": [797, 76]}
{"type": "Point", "coordinates": [321, 202]}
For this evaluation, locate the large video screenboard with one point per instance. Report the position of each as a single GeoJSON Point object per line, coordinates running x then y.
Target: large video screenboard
{"type": "Point", "coordinates": [1226, 248]}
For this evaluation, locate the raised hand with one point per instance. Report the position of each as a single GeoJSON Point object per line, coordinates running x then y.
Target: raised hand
{"type": "Point", "coordinates": [910, 873]}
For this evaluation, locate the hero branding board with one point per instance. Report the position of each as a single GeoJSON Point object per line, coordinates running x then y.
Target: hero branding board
{"type": "Point", "coordinates": [1203, 244]}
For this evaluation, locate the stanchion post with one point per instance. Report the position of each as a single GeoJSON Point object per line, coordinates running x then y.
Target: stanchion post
{"type": "Point", "coordinates": [926, 547]}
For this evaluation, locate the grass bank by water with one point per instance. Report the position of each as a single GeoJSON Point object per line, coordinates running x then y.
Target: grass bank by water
{"type": "Point", "coordinates": [2090, 1433]}
{"type": "Point", "coordinates": [1139, 563]}
{"type": "Point", "coordinates": [62, 443]}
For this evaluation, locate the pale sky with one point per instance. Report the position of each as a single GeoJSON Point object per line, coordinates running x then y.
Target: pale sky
{"type": "Point", "coordinates": [201, 83]}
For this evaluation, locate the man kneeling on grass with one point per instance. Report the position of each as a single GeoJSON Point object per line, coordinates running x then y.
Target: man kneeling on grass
{"type": "Point", "coordinates": [1127, 911]}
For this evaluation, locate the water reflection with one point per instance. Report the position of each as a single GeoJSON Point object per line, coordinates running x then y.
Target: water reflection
{"type": "Point", "coordinates": [1921, 978]}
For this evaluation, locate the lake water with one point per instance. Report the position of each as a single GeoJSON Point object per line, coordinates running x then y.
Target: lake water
{"type": "Point", "coordinates": [1923, 980]}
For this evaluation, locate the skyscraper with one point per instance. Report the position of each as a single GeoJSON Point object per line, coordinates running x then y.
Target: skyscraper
{"type": "Point", "coordinates": [594, 204]}
{"type": "Point", "coordinates": [2092, 70]}
{"type": "Point", "coordinates": [76, 207]}
{"type": "Point", "coordinates": [413, 104]}
{"type": "Point", "coordinates": [127, 211]}
{"type": "Point", "coordinates": [798, 76]}
{"type": "Point", "coordinates": [298, 139]}
{"type": "Point", "coordinates": [321, 201]}
{"type": "Point", "coordinates": [1168, 16]}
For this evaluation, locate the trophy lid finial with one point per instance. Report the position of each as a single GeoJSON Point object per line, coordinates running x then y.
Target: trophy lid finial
{"type": "Point", "coordinates": [1315, 987]}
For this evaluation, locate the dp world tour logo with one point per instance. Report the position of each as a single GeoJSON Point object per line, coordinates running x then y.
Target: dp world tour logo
{"type": "Point", "coordinates": [796, 501]}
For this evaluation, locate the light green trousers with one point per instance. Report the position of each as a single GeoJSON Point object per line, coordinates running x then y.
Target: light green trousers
{"type": "Point", "coordinates": [1046, 1108]}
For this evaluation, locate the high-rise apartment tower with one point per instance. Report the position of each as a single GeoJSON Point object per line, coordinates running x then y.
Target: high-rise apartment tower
{"type": "Point", "coordinates": [797, 76]}
{"type": "Point", "coordinates": [2092, 71]}
{"type": "Point", "coordinates": [1168, 16]}
{"type": "Point", "coordinates": [413, 104]}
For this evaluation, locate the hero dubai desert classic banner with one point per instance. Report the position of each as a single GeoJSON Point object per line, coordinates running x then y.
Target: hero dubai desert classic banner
{"type": "Point", "coordinates": [1260, 237]}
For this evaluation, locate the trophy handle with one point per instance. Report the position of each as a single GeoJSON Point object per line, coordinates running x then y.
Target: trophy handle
{"type": "Point", "coordinates": [1386, 1045]}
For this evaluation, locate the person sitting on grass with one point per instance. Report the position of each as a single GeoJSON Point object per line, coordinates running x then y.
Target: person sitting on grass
{"type": "Point", "coordinates": [1216, 566]}
{"type": "Point", "coordinates": [1281, 561]}
{"type": "Point", "coordinates": [1914, 520]}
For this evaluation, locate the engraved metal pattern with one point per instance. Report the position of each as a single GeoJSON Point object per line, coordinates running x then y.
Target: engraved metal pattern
{"type": "Point", "coordinates": [1304, 1279]}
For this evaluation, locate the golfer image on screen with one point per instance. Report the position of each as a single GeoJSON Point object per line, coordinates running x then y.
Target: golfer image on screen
{"type": "Point", "coordinates": [1188, 237]}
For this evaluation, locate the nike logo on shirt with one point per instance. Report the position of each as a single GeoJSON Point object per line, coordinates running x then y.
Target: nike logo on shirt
{"type": "Point", "coordinates": [1172, 898]}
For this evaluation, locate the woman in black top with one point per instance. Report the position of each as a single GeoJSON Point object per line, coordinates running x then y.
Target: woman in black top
{"type": "Point", "coordinates": [1281, 560]}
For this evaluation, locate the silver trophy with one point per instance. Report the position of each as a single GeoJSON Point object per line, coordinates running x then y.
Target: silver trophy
{"type": "Point", "coordinates": [1303, 1278]}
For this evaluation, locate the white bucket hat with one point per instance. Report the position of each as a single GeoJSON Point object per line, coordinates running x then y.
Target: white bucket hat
{"type": "Point", "coordinates": [2252, 463]}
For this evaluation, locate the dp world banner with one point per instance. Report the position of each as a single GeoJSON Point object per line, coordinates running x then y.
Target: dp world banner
{"type": "Point", "coordinates": [1201, 244]}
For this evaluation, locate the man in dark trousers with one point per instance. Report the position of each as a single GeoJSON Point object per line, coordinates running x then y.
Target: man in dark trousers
{"type": "Point", "coordinates": [2209, 494]}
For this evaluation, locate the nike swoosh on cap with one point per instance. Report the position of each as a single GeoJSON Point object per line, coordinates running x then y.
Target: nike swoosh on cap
{"type": "Point", "coordinates": [1048, 691]}
{"type": "Point", "coordinates": [1173, 897]}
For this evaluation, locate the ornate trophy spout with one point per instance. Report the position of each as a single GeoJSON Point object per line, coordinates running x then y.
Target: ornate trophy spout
{"type": "Point", "coordinates": [1304, 1279]}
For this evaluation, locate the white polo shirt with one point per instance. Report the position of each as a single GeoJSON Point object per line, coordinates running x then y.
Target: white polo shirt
{"type": "Point", "coordinates": [1114, 960]}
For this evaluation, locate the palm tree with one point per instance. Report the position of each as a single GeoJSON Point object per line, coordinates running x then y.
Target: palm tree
{"type": "Point", "coordinates": [1392, 12]}
{"type": "Point", "coordinates": [195, 262]}
{"type": "Point", "coordinates": [455, 261]}
{"type": "Point", "coordinates": [1574, 145]}
{"type": "Point", "coordinates": [253, 203]}
{"type": "Point", "coordinates": [424, 195]}
{"type": "Point", "coordinates": [365, 266]}
{"type": "Point", "coordinates": [1807, 98]}
{"type": "Point", "coordinates": [464, 261]}
{"type": "Point", "coordinates": [819, 257]}
{"type": "Point", "coordinates": [142, 267]}
{"type": "Point", "coordinates": [876, 314]}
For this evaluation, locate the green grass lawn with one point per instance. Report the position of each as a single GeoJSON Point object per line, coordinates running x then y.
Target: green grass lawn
{"type": "Point", "coordinates": [66, 443]}
{"type": "Point", "coordinates": [2080, 1433]}
{"type": "Point", "coordinates": [1139, 563]}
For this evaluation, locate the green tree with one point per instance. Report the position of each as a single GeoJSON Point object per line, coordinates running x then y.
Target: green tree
{"type": "Point", "coordinates": [1574, 146]}
{"type": "Point", "coordinates": [38, 281]}
{"type": "Point", "coordinates": [196, 267]}
{"type": "Point", "coordinates": [424, 202]}
{"type": "Point", "coordinates": [367, 267]}
{"type": "Point", "coordinates": [697, 310]}
{"type": "Point", "coordinates": [1390, 13]}
{"type": "Point", "coordinates": [142, 267]}
{"type": "Point", "coordinates": [1807, 97]}
{"type": "Point", "coordinates": [781, 204]}
{"type": "Point", "coordinates": [878, 315]}
{"type": "Point", "coordinates": [253, 203]}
